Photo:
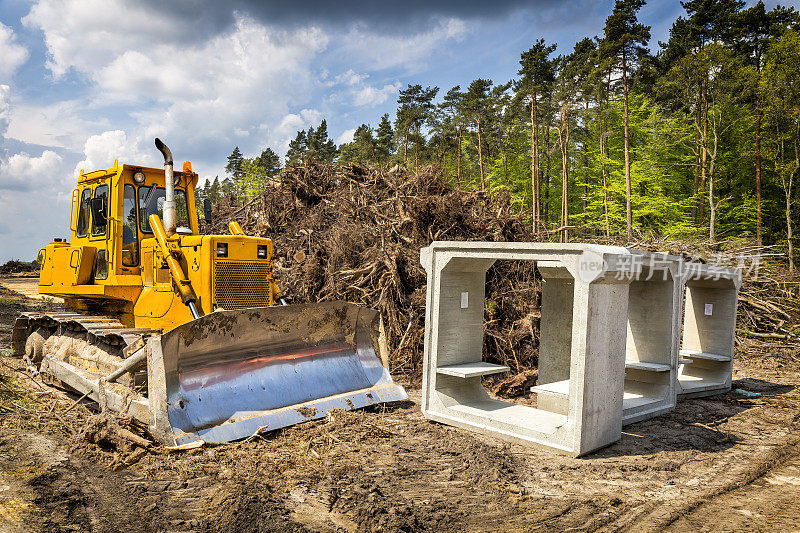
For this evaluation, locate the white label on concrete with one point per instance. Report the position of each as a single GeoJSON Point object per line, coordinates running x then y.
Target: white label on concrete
{"type": "Point", "coordinates": [464, 300]}
{"type": "Point", "coordinates": [709, 309]}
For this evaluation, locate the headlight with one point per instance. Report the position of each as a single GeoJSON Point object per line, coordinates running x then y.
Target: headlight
{"type": "Point", "coordinates": [263, 250]}
{"type": "Point", "coordinates": [222, 249]}
{"type": "Point", "coordinates": [138, 177]}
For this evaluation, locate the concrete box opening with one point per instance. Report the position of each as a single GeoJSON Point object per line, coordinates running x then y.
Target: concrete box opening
{"type": "Point", "coordinates": [651, 345]}
{"type": "Point", "coordinates": [460, 367]}
{"type": "Point", "coordinates": [709, 330]}
{"type": "Point", "coordinates": [555, 339]}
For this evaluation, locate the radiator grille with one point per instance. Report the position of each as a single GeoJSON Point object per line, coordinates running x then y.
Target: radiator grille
{"type": "Point", "coordinates": [241, 284]}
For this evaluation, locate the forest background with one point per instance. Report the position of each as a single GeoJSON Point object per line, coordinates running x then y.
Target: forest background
{"type": "Point", "coordinates": [700, 138]}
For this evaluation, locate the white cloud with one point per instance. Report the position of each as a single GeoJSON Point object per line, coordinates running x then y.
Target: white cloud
{"type": "Point", "coordinates": [221, 90]}
{"type": "Point", "coordinates": [100, 151]}
{"type": "Point", "coordinates": [34, 201]}
{"type": "Point", "coordinates": [21, 172]}
{"type": "Point", "coordinates": [12, 55]}
{"type": "Point", "coordinates": [63, 124]}
{"type": "Point", "coordinates": [5, 110]}
{"type": "Point", "coordinates": [346, 137]}
{"type": "Point", "coordinates": [311, 116]}
{"type": "Point", "coordinates": [372, 96]}
{"type": "Point", "coordinates": [357, 91]}
{"type": "Point", "coordinates": [351, 78]}
{"type": "Point", "coordinates": [235, 87]}
{"type": "Point", "coordinates": [291, 123]}
{"type": "Point", "coordinates": [88, 34]}
{"type": "Point", "coordinates": [378, 51]}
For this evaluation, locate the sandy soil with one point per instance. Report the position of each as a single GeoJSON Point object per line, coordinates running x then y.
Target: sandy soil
{"type": "Point", "coordinates": [722, 463]}
{"type": "Point", "coordinates": [26, 285]}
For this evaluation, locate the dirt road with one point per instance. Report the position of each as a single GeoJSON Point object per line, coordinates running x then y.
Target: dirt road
{"type": "Point", "coordinates": [26, 285]}
{"type": "Point", "coordinates": [722, 463]}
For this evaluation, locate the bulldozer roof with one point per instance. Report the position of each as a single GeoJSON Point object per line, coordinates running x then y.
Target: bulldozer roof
{"type": "Point", "coordinates": [118, 169]}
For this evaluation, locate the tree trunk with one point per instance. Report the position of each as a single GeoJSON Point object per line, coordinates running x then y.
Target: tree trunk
{"type": "Point", "coordinates": [480, 156]}
{"type": "Point", "coordinates": [535, 163]}
{"type": "Point", "coordinates": [790, 251]}
{"type": "Point", "coordinates": [458, 170]}
{"type": "Point", "coordinates": [628, 209]}
{"type": "Point", "coordinates": [712, 224]}
{"type": "Point", "coordinates": [712, 165]}
{"type": "Point", "coordinates": [586, 162]}
{"type": "Point", "coordinates": [405, 148]}
{"type": "Point", "coordinates": [696, 171]}
{"type": "Point", "coordinates": [759, 114]}
{"type": "Point", "coordinates": [505, 163]}
{"type": "Point", "coordinates": [788, 189]}
{"type": "Point", "coordinates": [416, 152]}
{"type": "Point", "coordinates": [547, 169]}
{"type": "Point", "coordinates": [603, 159]}
{"type": "Point", "coordinates": [565, 173]}
{"type": "Point", "coordinates": [703, 151]}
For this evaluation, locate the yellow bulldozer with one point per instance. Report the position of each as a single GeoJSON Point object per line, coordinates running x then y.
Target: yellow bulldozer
{"type": "Point", "coordinates": [188, 333]}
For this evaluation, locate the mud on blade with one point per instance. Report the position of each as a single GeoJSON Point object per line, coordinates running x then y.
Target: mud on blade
{"type": "Point", "coordinates": [231, 374]}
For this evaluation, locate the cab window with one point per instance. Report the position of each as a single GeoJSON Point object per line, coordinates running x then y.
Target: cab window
{"type": "Point", "coordinates": [82, 227]}
{"type": "Point", "coordinates": [151, 201]}
{"type": "Point", "coordinates": [130, 233]}
{"type": "Point", "coordinates": [99, 226]}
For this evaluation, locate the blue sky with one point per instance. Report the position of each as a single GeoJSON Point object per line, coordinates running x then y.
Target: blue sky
{"type": "Point", "coordinates": [83, 82]}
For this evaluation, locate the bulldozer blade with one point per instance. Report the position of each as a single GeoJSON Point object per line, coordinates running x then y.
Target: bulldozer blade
{"type": "Point", "coordinates": [232, 374]}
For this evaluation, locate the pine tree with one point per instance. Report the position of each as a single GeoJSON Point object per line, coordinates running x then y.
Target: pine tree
{"type": "Point", "coordinates": [234, 166]}
{"type": "Point", "coordinates": [450, 106]}
{"type": "Point", "coordinates": [416, 105]}
{"type": "Point", "coordinates": [754, 29]}
{"type": "Point", "coordinates": [319, 146]}
{"type": "Point", "coordinates": [781, 88]}
{"type": "Point", "coordinates": [383, 139]}
{"type": "Point", "coordinates": [362, 148]}
{"type": "Point", "coordinates": [476, 105]}
{"type": "Point", "coordinates": [625, 40]}
{"type": "Point", "coordinates": [295, 155]}
{"type": "Point", "coordinates": [537, 71]}
{"type": "Point", "coordinates": [270, 162]}
{"type": "Point", "coordinates": [709, 20]}
{"type": "Point", "coordinates": [214, 193]}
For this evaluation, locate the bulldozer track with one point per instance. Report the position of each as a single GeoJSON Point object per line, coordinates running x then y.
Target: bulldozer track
{"type": "Point", "coordinates": [105, 332]}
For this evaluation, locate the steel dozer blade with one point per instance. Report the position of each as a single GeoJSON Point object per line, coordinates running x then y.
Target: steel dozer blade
{"type": "Point", "coordinates": [232, 374]}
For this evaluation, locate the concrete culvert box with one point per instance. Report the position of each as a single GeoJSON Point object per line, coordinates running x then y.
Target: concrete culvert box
{"type": "Point", "coordinates": [582, 346]}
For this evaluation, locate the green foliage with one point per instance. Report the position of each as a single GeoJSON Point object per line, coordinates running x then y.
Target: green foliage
{"type": "Point", "coordinates": [312, 145]}
{"type": "Point", "coordinates": [625, 37]}
{"type": "Point", "coordinates": [234, 166]}
{"type": "Point", "coordinates": [416, 105]}
{"type": "Point", "coordinates": [362, 149]}
{"type": "Point", "coordinates": [720, 95]}
{"type": "Point", "coordinates": [383, 139]}
{"type": "Point", "coordinates": [270, 162]}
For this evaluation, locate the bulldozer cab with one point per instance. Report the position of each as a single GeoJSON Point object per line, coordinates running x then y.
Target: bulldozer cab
{"type": "Point", "coordinates": [109, 225]}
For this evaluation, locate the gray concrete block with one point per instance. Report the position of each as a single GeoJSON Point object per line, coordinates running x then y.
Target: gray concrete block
{"type": "Point", "coordinates": [585, 301]}
{"type": "Point", "coordinates": [652, 339]}
{"type": "Point", "coordinates": [709, 329]}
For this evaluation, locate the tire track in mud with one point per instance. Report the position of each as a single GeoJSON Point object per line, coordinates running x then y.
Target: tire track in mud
{"type": "Point", "coordinates": [60, 491]}
{"type": "Point", "coordinates": [660, 515]}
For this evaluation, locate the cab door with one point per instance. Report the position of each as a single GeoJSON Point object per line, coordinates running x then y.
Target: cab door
{"type": "Point", "coordinates": [101, 231]}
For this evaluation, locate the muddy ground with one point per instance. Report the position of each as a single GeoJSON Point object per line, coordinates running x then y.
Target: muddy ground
{"type": "Point", "coordinates": [723, 463]}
